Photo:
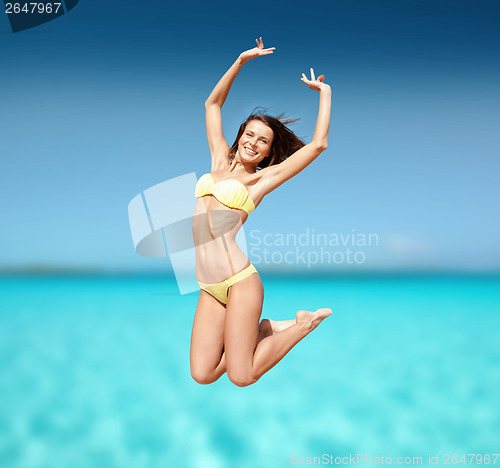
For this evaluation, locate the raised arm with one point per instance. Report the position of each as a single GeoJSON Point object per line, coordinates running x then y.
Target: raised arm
{"type": "Point", "coordinates": [276, 175]}
{"type": "Point", "coordinates": [219, 148]}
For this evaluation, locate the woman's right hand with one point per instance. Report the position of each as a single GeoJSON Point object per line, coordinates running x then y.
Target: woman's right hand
{"type": "Point", "coordinates": [256, 51]}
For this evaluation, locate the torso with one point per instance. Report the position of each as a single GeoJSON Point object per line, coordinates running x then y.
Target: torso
{"type": "Point", "coordinates": [215, 227]}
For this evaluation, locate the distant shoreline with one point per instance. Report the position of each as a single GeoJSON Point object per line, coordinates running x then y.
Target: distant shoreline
{"type": "Point", "coordinates": [48, 270]}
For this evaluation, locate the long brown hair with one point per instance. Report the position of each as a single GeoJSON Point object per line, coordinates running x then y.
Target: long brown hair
{"type": "Point", "coordinates": [284, 144]}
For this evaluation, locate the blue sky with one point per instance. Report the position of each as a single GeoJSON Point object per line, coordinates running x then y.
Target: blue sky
{"type": "Point", "coordinates": [107, 100]}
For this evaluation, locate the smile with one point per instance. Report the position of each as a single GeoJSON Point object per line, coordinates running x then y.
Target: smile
{"type": "Point", "coordinates": [250, 152]}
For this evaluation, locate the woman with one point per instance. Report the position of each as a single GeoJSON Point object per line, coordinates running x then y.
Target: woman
{"type": "Point", "coordinates": [227, 335]}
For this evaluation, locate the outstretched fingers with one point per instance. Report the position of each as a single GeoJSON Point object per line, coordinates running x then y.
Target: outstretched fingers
{"type": "Point", "coordinates": [313, 78]}
{"type": "Point", "coordinates": [263, 51]}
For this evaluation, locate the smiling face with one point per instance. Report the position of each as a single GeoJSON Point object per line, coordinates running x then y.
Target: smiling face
{"type": "Point", "coordinates": [255, 142]}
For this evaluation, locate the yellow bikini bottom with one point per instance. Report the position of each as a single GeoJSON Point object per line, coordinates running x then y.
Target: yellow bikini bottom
{"type": "Point", "coordinates": [219, 290]}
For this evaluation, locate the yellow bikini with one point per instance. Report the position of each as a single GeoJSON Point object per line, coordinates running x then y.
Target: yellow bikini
{"type": "Point", "coordinates": [229, 192]}
{"type": "Point", "coordinates": [219, 290]}
{"type": "Point", "coordinates": [233, 194]}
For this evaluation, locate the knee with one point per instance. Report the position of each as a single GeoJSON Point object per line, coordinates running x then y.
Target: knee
{"type": "Point", "coordinates": [203, 376]}
{"type": "Point", "coordinates": [241, 379]}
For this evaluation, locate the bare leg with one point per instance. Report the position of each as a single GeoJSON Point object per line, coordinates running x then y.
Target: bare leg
{"type": "Point", "coordinates": [271, 350]}
{"type": "Point", "coordinates": [271, 327]}
{"type": "Point", "coordinates": [247, 358]}
{"type": "Point", "coordinates": [207, 355]}
{"type": "Point", "coordinates": [207, 340]}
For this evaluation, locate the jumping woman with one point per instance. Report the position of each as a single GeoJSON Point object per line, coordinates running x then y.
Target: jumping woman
{"type": "Point", "coordinates": [227, 335]}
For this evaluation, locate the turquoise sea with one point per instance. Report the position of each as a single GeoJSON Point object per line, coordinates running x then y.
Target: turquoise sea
{"type": "Point", "coordinates": [95, 373]}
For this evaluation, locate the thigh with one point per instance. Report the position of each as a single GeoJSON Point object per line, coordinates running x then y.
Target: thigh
{"type": "Point", "coordinates": [243, 311]}
{"type": "Point", "coordinates": [207, 337]}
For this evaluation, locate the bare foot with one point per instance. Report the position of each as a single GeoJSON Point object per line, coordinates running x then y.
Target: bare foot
{"type": "Point", "coordinates": [271, 327]}
{"type": "Point", "coordinates": [280, 325]}
{"type": "Point", "coordinates": [310, 320]}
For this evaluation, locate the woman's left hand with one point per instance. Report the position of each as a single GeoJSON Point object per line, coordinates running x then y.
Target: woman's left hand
{"type": "Point", "coordinates": [313, 83]}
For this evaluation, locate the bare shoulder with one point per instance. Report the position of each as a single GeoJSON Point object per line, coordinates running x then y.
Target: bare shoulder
{"type": "Point", "coordinates": [264, 177]}
{"type": "Point", "coordinates": [260, 184]}
{"type": "Point", "coordinates": [220, 160]}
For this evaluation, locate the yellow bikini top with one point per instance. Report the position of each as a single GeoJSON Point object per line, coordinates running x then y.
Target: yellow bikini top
{"type": "Point", "coordinates": [229, 192]}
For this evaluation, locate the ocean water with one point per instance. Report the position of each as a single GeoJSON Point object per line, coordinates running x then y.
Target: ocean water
{"type": "Point", "coordinates": [95, 373]}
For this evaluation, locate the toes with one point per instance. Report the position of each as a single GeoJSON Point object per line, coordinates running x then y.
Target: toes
{"type": "Point", "coordinates": [324, 312]}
